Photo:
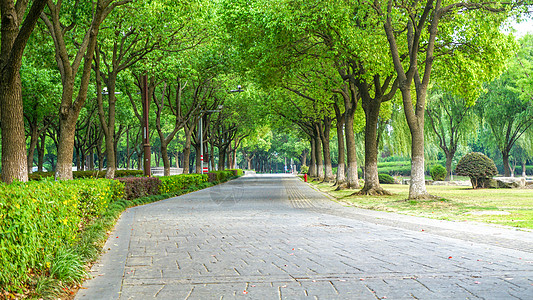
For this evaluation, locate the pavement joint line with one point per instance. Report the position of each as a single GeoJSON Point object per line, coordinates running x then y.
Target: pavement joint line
{"type": "Point", "coordinates": [274, 245]}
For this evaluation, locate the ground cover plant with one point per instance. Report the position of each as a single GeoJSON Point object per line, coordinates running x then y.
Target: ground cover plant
{"type": "Point", "coordinates": [510, 207]}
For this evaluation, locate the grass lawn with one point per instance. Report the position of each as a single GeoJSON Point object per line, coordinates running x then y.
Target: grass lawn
{"type": "Point", "coordinates": [511, 207]}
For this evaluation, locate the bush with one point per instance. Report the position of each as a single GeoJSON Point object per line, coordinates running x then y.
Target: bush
{"type": "Point", "coordinates": [385, 179]}
{"type": "Point", "coordinates": [304, 169]}
{"type": "Point", "coordinates": [179, 184]}
{"type": "Point", "coordinates": [438, 173]}
{"type": "Point", "coordinates": [37, 219]}
{"type": "Point", "coordinates": [402, 168]}
{"type": "Point", "coordinates": [478, 167]}
{"type": "Point", "coordinates": [220, 176]}
{"type": "Point", "coordinates": [37, 176]}
{"type": "Point", "coordinates": [237, 172]}
{"type": "Point", "coordinates": [136, 187]}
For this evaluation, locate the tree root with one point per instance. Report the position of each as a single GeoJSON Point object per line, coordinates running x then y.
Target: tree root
{"type": "Point", "coordinates": [373, 191]}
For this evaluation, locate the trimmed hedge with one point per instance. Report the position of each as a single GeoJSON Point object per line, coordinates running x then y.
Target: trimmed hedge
{"type": "Point", "coordinates": [220, 176]}
{"type": "Point", "coordinates": [36, 176]}
{"type": "Point", "coordinates": [50, 229]}
{"type": "Point", "coordinates": [438, 173]}
{"type": "Point", "coordinates": [385, 179]}
{"type": "Point", "coordinates": [37, 219]}
{"type": "Point", "coordinates": [137, 187]}
{"type": "Point", "coordinates": [178, 184]}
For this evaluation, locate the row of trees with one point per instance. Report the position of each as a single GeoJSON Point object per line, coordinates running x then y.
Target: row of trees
{"type": "Point", "coordinates": [81, 83]}
{"type": "Point", "coordinates": [335, 70]}
{"type": "Point", "coordinates": [324, 58]}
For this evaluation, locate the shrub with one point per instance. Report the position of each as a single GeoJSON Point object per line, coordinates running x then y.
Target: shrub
{"type": "Point", "coordinates": [178, 184]}
{"type": "Point", "coordinates": [237, 172]}
{"type": "Point", "coordinates": [304, 169]}
{"type": "Point", "coordinates": [220, 176]}
{"type": "Point", "coordinates": [478, 167]}
{"type": "Point", "coordinates": [37, 176]}
{"type": "Point", "coordinates": [37, 219]}
{"type": "Point", "coordinates": [438, 172]}
{"type": "Point", "coordinates": [136, 187]}
{"type": "Point", "coordinates": [385, 179]}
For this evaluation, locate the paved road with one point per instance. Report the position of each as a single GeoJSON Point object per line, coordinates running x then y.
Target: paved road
{"type": "Point", "coordinates": [273, 237]}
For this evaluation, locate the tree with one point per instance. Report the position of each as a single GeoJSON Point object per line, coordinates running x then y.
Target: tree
{"type": "Point", "coordinates": [451, 119]}
{"type": "Point", "coordinates": [17, 24]}
{"type": "Point", "coordinates": [64, 20]}
{"type": "Point", "coordinates": [412, 29]}
{"type": "Point", "coordinates": [507, 116]}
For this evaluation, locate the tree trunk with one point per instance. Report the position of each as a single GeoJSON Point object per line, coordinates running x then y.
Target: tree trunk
{"type": "Point", "coordinates": [16, 28]}
{"type": "Point", "coordinates": [304, 157]}
{"type": "Point", "coordinates": [372, 186]}
{"type": "Point", "coordinates": [449, 160]}
{"type": "Point", "coordinates": [312, 167]}
{"type": "Point", "coordinates": [352, 180]}
{"type": "Point", "coordinates": [34, 139]}
{"type": "Point", "coordinates": [319, 159]}
{"type": "Point", "coordinates": [324, 136]}
{"type": "Point", "coordinates": [341, 167]}
{"type": "Point", "coordinates": [198, 161]}
{"type": "Point", "coordinates": [40, 153]}
{"type": "Point", "coordinates": [65, 148]}
{"type": "Point", "coordinates": [417, 187]}
{"type": "Point", "coordinates": [166, 160]}
{"type": "Point", "coordinates": [506, 165]}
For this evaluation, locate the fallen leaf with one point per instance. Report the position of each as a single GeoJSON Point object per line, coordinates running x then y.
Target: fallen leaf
{"type": "Point", "coordinates": [449, 257]}
{"type": "Point", "coordinates": [245, 292]}
{"type": "Point", "coordinates": [477, 282]}
{"type": "Point", "coordinates": [362, 279]}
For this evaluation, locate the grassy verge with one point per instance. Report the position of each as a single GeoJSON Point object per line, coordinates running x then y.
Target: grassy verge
{"type": "Point", "coordinates": [510, 207]}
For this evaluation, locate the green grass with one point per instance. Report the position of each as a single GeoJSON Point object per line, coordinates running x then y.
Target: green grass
{"type": "Point", "coordinates": [510, 207]}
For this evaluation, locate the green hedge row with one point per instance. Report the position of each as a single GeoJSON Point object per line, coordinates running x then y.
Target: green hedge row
{"type": "Point", "coordinates": [47, 226]}
{"type": "Point", "coordinates": [36, 176]}
{"type": "Point", "coordinates": [177, 184]}
{"type": "Point", "coordinates": [37, 219]}
{"type": "Point", "coordinates": [221, 176]}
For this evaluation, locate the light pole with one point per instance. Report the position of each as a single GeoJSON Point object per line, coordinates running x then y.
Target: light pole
{"type": "Point", "coordinates": [146, 140]}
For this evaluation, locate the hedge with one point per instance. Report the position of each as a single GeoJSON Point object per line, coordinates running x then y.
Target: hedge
{"type": "Point", "coordinates": [37, 219]}
{"type": "Point", "coordinates": [136, 187]}
{"type": "Point", "coordinates": [178, 184]}
{"type": "Point", "coordinates": [220, 176]}
{"type": "Point", "coordinates": [50, 229]}
{"type": "Point", "coordinates": [385, 179]}
{"type": "Point", "coordinates": [36, 176]}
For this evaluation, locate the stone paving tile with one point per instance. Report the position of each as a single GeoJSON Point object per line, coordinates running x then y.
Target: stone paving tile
{"type": "Point", "coordinates": [275, 238]}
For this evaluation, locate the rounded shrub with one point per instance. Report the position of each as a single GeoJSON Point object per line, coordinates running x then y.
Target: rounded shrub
{"type": "Point", "coordinates": [478, 167]}
{"type": "Point", "coordinates": [385, 179]}
{"type": "Point", "coordinates": [438, 172]}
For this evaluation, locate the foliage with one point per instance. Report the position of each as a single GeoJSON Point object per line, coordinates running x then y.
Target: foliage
{"type": "Point", "coordinates": [304, 169]}
{"type": "Point", "coordinates": [178, 184]}
{"type": "Point", "coordinates": [395, 168]}
{"type": "Point", "coordinates": [137, 187]}
{"type": "Point", "coordinates": [220, 176]}
{"type": "Point", "coordinates": [39, 219]}
{"type": "Point", "coordinates": [438, 172]}
{"type": "Point", "coordinates": [478, 167]}
{"type": "Point", "coordinates": [36, 176]}
{"type": "Point", "coordinates": [237, 172]}
{"type": "Point", "coordinates": [385, 179]}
